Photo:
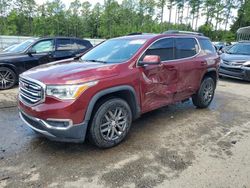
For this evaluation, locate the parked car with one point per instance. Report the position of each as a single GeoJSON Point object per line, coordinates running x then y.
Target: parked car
{"type": "Point", "coordinates": [34, 52]}
{"type": "Point", "coordinates": [101, 93]}
{"type": "Point", "coordinates": [235, 62]}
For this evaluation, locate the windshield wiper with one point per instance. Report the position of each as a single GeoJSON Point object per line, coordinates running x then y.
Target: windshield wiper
{"type": "Point", "coordinates": [95, 61]}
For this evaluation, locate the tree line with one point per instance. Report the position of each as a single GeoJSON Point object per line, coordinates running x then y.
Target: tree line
{"type": "Point", "coordinates": [111, 19]}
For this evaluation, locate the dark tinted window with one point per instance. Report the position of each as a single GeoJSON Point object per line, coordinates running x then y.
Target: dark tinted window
{"type": "Point", "coordinates": [185, 47]}
{"type": "Point", "coordinates": [64, 44]}
{"type": "Point", "coordinates": [74, 45]}
{"type": "Point", "coordinates": [207, 46]}
{"type": "Point", "coordinates": [82, 45]}
{"type": "Point", "coordinates": [163, 48]}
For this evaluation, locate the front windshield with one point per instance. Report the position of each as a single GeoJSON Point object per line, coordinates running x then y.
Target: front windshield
{"type": "Point", "coordinates": [22, 46]}
{"type": "Point", "coordinates": [114, 50]}
{"type": "Point", "coordinates": [240, 49]}
{"type": "Point", "coordinates": [9, 48]}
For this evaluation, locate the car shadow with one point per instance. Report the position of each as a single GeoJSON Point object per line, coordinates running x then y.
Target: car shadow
{"type": "Point", "coordinates": [232, 80]}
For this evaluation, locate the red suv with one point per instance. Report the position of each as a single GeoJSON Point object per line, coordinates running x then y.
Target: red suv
{"type": "Point", "coordinates": [99, 94]}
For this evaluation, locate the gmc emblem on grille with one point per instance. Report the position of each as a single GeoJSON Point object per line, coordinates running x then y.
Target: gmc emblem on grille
{"type": "Point", "coordinates": [24, 85]}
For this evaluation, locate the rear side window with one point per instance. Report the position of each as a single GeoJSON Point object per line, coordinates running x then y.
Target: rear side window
{"type": "Point", "coordinates": [64, 44]}
{"type": "Point", "coordinates": [82, 45]}
{"type": "Point", "coordinates": [185, 47]}
{"type": "Point", "coordinates": [207, 47]}
{"type": "Point", "coordinates": [163, 48]}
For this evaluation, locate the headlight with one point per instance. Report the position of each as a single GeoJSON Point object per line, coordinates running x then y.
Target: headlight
{"type": "Point", "coordinates": [246, 64]}
{"type": "Point", "coordinates": [67, 92]}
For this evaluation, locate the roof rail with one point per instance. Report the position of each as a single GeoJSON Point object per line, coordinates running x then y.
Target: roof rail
{"type": "Point", "coordinates": [182, 32]}
{"type": "Point", "coordinates": [138, 33]}
{"type": "Point", "coordinates": [246, 41]}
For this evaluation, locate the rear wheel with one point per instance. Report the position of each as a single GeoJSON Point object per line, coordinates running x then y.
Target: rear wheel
{"type": "Point", "coordinates": [8, 78]}
{"type": "Point", "coordinates": [205, 95]}
{"type": "Point", "coordinates": [111, 123]}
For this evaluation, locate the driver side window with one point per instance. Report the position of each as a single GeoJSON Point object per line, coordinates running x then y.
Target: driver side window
{"type": "Point", "coordinates": [163, 48]}
{"type": "Point", "coordinates": [43, 46]}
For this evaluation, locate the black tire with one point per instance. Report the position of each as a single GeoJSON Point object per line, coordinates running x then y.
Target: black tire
{"type": "Point", "coordinates": [110, 123]}
{"type": "Point", "coordinates": [205, 95]}
{"type": "Point", "coordinates": [8, 78]}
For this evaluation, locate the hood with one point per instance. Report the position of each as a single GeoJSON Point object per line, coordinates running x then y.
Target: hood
{"type": "Point", "coordinates": [71, 72]}
{"type": "Point", "coordinates": [9, 55]}
{"type": "Point", "coordinates": [235, 57]}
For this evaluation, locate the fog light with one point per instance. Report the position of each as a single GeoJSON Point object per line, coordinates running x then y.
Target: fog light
{"type": "Point", "coordinates": [59, 124]}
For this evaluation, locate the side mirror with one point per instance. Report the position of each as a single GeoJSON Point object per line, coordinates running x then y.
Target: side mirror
{"type": "Point", "coordinates": [31, 51]}
{"type": "Point", "coordinates": [151, 60]}
{"type": "Point", "coordinates": [221, 48]}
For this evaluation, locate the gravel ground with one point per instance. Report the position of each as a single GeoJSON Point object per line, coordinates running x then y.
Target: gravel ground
{"type": "Point", "coordinates": [175, 146]}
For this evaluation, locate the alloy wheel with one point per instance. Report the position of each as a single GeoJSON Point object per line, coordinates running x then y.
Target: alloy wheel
{"type": "Point", "coordinates": [208, 92]}
{"type": "Point", "coordinates": [114, 123]}
{"type": "Point", "coordinates": [7, 78]}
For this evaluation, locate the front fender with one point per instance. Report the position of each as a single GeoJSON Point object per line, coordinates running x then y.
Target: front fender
{"type": "Point", "coordinates": [102, 93]}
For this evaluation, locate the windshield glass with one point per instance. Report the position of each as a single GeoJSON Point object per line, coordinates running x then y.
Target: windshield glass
{"type": "Point", "coordinates": [9, 48]}
{"type": "Point", "coordinates": [240, 48]}
{"type": "Point", "coordinates": [22, 46]}
{"type": "Point", "coordinates": [114, 50]}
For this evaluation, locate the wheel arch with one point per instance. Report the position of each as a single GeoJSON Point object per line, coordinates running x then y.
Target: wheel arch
{"type": "Point", "coordinates": [213, 73]}
{"type": "Point", "coordinates": [10, 66]}
{"type": "Point", "coordinates": [125, 92]}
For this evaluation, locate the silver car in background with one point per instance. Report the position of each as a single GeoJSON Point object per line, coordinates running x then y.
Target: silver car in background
{"type": "Point", "coordinates": [235, 62]}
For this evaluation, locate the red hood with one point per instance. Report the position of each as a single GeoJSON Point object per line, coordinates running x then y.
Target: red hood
{"type": "Point", "coordinates": [70, 72]}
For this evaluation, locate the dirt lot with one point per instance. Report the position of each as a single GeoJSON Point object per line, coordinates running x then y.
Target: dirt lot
{"type": "Point", "coordinates": [175, 146]}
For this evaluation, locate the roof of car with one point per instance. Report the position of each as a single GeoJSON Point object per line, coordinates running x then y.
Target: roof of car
{"type": "Point", "coordinates": [152, 36]}
{"type": "Point", "coordinates": [60, 37]}
{"type": "Point", "coordinates": [244, 41]}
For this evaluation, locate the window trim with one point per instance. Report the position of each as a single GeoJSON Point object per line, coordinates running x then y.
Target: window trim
{"type": "Point", "coordinates": [167, 61]}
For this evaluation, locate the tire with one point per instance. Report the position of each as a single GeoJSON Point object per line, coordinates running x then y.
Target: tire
{"type": "Point", "coordinates": [111, 123]}
{"type": "Point", "coordinates": [8, 78]}
{"type": "Point", "coordinates": [205, 95]}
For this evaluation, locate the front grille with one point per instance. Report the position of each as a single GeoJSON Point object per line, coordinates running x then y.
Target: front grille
{"type": "Point", "coordinates": [234, 63]}
{"type": "Point", "coordinates": [30, 92]}
{"type": "Point", "coordinates": [232, 69]}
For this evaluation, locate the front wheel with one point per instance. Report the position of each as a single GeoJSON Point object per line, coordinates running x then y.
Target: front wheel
{"type": "Point", "coordinates": [205, 95]}
{"type": "Point", "coordinates": [111, 123]}
{"type": "Point", "coordinates": [8, 78]}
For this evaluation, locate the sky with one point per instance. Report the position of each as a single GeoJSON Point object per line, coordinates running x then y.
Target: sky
{"type": "Point", "coordinates": [165, 16]}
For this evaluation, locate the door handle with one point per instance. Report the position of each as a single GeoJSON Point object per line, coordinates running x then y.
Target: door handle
{"type": "Point", "coordinates": [50, 54]}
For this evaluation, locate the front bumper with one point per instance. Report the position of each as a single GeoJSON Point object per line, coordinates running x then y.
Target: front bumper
{"type": "Point", "coordinates": [73, 133]}
{"type": "Point", "coordinates": [242, 73]}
